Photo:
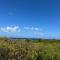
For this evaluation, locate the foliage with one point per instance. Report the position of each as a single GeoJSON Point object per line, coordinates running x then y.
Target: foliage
{"type": "Point", "coordinates": [29, 50]}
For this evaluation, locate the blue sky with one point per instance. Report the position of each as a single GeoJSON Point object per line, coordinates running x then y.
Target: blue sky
{"type": "Point", "coordinates": [30, 18]}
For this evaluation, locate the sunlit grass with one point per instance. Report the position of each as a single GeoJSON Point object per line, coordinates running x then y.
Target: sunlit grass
{"type": "Point", "coordinates": [29, 50]}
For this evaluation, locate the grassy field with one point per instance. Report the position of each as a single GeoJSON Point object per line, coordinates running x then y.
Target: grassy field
{"type": "Point", "coordinates": [28, 49]}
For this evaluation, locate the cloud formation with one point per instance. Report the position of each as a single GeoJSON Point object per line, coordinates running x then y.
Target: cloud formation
{"type": "Point", "coordinates": [10, 29]}
{"type": "Point", "coordinates": [35, 30]}
{"type": "Point", "coordinates": [38, 33]}
{"type": "Point", "coordinates": [32, 28]}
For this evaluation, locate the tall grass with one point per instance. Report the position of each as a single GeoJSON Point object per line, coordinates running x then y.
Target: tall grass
{"type": "Point", "coordinates": [29, 50]}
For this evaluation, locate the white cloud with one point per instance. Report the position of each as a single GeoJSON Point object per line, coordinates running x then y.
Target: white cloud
{"type": "Point", "coordinates": [32, 28]}
{"type": "Point", "coordinates": [27, 28]}
{"type": "Point", "coordinates": [39, 33]}
{"type": "Point", "coordinates": [10, 29]}
{"type": "Point", "coordinates": [35, 30]}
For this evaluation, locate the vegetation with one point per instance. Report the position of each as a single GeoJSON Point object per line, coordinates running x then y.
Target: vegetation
{"type": "Point", "coordinates": [29, 49]}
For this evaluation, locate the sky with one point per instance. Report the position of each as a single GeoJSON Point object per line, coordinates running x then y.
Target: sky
{"type": "Point", "coordinates": [30, 18]}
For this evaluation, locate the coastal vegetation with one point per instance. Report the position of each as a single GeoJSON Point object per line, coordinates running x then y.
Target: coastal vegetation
{"type": "Point", "coordinates": [29, 49]}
